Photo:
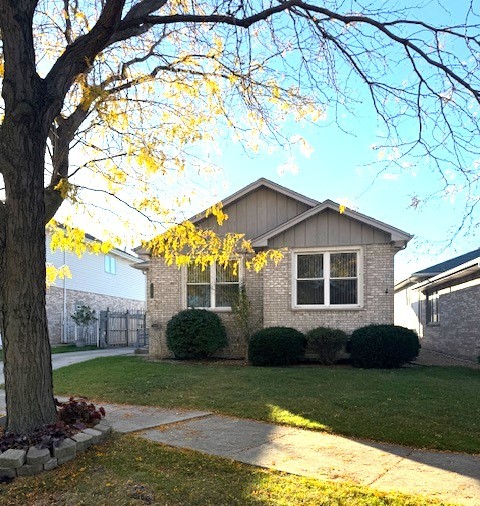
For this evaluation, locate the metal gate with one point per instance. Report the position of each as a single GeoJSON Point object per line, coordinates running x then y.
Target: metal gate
{"type": "Point", "coordinates": [120, 328]}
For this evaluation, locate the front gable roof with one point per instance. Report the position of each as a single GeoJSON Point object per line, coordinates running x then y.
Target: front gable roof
{"type": "Point", "coordinates": [262, 182]}
{"type": "Point", "coordinates": [395, 233]}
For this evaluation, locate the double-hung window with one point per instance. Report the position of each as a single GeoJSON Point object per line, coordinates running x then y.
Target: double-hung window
{"type": "Point", "coordinates": [326, 279]}
{"type": "Point", "coordinates": [214, 286]}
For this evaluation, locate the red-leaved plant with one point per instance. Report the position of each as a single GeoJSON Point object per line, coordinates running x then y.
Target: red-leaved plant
{"type": "Point", "coordinates": [79, 414]}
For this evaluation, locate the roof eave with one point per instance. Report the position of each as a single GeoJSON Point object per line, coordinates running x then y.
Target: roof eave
{"type": "Point", "coordinates": [456, 273]}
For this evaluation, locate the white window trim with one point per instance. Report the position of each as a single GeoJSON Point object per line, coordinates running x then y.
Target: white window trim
{"type": "Point", "coordinates": [330, 307]}
{"type": "Point", "coordinates": [213, 307]}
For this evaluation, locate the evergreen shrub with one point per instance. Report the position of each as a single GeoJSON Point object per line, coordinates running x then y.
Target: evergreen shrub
{"type": "Point", "coordinates": [383, 346]}
{"type": "Point", "coordinates": [274, 346]}
{"type": "Point", "coordinates": [195, 334]}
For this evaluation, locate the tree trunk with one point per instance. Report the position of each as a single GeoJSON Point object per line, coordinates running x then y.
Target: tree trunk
{"type": "Point", "coordinates": [27, 359]}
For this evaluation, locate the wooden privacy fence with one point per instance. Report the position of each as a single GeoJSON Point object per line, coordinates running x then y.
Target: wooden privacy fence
{"type": "Point", "coordinates": [121, 328]}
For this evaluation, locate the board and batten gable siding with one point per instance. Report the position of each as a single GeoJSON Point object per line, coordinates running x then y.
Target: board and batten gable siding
{"type": "Point", "coordinates": [88, 274]}
{"type": "Point", "coordinates": [328, 229]}
{"type": "Point", "coordinates": [256, 213]}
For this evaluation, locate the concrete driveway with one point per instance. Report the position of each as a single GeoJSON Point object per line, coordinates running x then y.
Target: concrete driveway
{"type": "Point", "coordinates": [64, 359]}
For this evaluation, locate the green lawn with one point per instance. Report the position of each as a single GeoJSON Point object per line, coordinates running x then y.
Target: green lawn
{"type": "Point", "coordinates": [68, 348]}
{"type": "Point", "coordinates": [130, 471]}
{"type": "Point", "coordinates": [425, 407]}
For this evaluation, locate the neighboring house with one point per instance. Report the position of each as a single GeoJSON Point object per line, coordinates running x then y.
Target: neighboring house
{"type": "Point", "coordinates": [337, 269]}
{"type": "Point", "coordinates": [442, 304]}
{"type": "Point", "coordinates": [99, 281]}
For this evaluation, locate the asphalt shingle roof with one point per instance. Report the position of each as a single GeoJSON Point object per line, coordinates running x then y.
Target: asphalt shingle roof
{"type": "Point", "coordinates": [448, 264]}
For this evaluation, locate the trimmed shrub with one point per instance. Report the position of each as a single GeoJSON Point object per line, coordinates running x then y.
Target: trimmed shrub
{"type": "Point", "coordinates": [276, 346]}
{"type": "Point", "coordinates": [326, 343]}
{"type": "Point", "coordinates": [383, 346]}
{"type": "Point", "coordinates": [195, 334]}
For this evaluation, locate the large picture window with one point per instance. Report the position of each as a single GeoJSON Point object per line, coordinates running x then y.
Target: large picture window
{"type": "Point", "coordinates": [212, 287]}
{"type": "Point", "coordinates": [327, 278]}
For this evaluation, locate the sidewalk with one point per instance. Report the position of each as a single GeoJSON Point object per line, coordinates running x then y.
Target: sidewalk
{"type": "Point", "coordinates": [449, 477]}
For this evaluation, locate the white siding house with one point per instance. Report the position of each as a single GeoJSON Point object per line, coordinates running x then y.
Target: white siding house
{"type": "Point", "coordinates": [99, 281]}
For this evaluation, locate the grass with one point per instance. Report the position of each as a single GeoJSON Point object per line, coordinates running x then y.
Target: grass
{"type": "Point", "coordinates": [424, 407]}
{"type": "Point", "coordinates": [131, 471]}
{"type": "Point", "coordinates": [63, 348]}
{"type": "Point", "coordinates": [69, 348]}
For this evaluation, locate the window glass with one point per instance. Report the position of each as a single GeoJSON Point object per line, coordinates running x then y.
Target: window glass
{"type": "Point", "coordinates": [310, 266]}
{"type": "Point", "coordinates": [343, 265]}
{"type": "Point", "coordinates": [225, 294]}
{"type": "Point", "coordinates": [343, 291]}
{"type": "Point", "coordinates": [110, 266]}
{"type": "Point", "coordinates": [227, 274]}
{"type": "Point", "coordinates": [311, 292]}
{"type": "Point", "coordinates": [198, 296]}
{"type": "Point", "coordinates": [195, 274]}
{"type": "Point", "coordinates": [433, 314]}
{"type": "Point", "coordinates": [227, 284]}
{"type": "Point", "coordinates": [327, 279]}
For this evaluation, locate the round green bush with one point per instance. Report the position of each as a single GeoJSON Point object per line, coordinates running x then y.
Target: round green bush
{"type": "Point", "coordinates": [195, 334]}
{"type": "Point", "coordinates": [383, 346]}
{"type": "Point", "coordinates": [326, 343]}
{"type": "Point", "coordinates": [276, 346]}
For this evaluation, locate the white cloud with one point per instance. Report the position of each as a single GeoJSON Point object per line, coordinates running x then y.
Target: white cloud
{"type": "Point", "coordinates": [289, 167]}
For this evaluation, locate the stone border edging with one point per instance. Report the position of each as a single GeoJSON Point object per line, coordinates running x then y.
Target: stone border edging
{"type": "Point", "coordinates": [15, 463]}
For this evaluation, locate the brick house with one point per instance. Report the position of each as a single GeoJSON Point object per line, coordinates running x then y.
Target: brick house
{"type": "Point", "coordinates": [441, 304]}
{"type": "Point", "coordinates": [337, 269]}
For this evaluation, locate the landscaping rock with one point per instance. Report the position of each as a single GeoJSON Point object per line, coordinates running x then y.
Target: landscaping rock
{"type": "Point", "coordinates": [104, 427]}
{"type": "Point", "coordinates": [97, 435]}
{"type": "Point", "coordinates": [12, 458]}
{"type": "Point", "coordinates": [50, 464]}
{"type": "Point", "coordinates": [7, 472]}
{"type": "Point", "coordinates": [29, 469]}
{"type": "Point", "coordinates": [83, 441]}
{"type": "Point", "coordinates": [67, 449]}
{"type": "Point", "coordinates": [36, 456]}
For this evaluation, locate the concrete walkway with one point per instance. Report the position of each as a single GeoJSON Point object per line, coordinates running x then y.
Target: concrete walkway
{"type": "Point", "coordinates": [65, 359]}
{"type": "Point", "coordinates": [449, 477]}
